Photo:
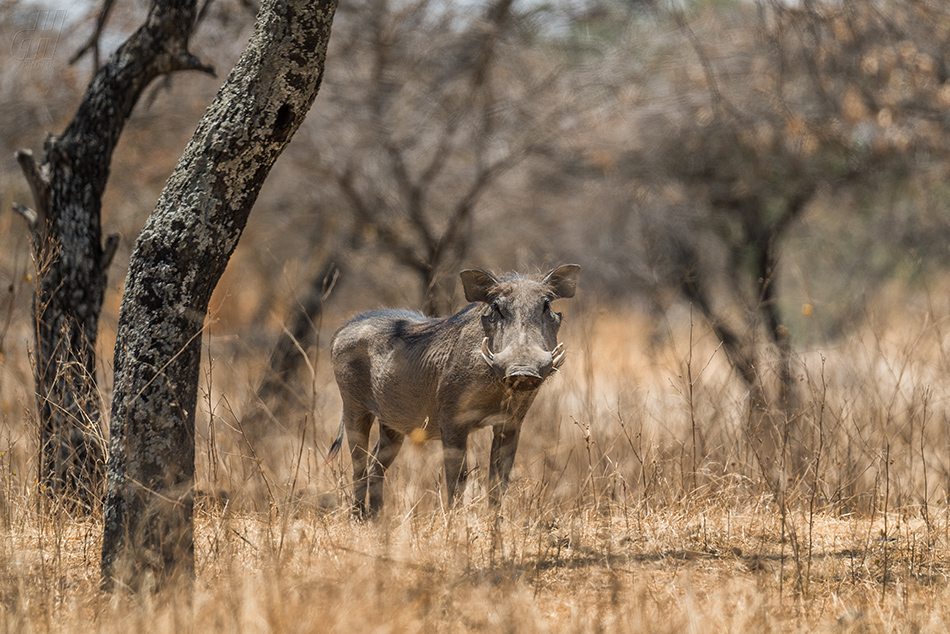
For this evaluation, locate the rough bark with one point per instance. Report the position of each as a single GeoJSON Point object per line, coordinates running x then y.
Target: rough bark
{"type": "Point", "coordinates": [71, 260]}
{"type": "Point", "coordinates": [177, 261]}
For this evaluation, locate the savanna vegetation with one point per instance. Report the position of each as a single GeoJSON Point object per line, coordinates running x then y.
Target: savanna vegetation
{"type": "Point", "coordinates": [751, 431]}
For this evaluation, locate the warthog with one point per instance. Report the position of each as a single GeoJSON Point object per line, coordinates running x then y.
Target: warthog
{"type": "Point", "coordinates": [432, 378]}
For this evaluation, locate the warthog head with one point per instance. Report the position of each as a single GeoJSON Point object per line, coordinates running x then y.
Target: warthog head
{"type": "Point", "coordinates": [520, 343]}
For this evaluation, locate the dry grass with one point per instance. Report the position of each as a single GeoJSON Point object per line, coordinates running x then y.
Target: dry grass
{"type": "Point", "coordinates": [711, 566]}
{"type": "Point", "coordinates": [610, 526]}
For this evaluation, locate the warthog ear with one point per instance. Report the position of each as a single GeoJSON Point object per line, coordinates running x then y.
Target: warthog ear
{"type": "Point", "coordinates": [563, 279]}
{"type": "Point", "coordinates": [478, 285]}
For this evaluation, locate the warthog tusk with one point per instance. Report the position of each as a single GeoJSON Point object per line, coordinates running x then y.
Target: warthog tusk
{"type": "Point", "coordinates": [487, 354]}
{"type": "Point", "coordinates": [557, 356]}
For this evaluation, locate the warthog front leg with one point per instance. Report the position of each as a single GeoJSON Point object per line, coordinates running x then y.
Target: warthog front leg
{"type": "Point", "coordinates": [504, 444]}
{"type": "Point", "coordinates": [454, 449]}
{"type": "Point", "coordinates": [387, 447]}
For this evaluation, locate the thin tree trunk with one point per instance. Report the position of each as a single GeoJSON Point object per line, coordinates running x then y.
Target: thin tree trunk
{"type": "Point", "coordinates": [70, 258]}
{"type": "Point", "coordinates": [178, 259]}
{"type": "Point", "coordinates": [275, 397]}
{"type": "Point", "coordinates": [767, 266]}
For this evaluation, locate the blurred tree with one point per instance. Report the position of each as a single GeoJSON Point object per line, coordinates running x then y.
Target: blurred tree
{"type": "Point", "coordinates": [178, 259]}
{"type": "Point", "coordinates": [71, 260]}
{"type": "Point", "coordinates": [778, 104]}
{"type": "Point", "coordinates": [277, 396]}
{"type": "Point", "coordinates": [432, 111]}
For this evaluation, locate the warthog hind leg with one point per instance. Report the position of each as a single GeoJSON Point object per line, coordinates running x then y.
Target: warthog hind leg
{"type": "Point", "coordinates": [387, 447]}
{"type": "Point", "coordinates": [357, 435]}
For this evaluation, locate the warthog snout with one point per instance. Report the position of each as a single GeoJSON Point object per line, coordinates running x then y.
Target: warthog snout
{"type": "Point", "coordinates": [523, 375]}
{"type": "Point", "coordinates": [522, 379]}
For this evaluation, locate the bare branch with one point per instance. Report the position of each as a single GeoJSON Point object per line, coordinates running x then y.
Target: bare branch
{"type": "Point", "coordinates": [404, 252]}
{"type": "Point", "coordinates": [441, 154]}
{"type": "Point", "coordinates": [108, 251]}
{"type": "Point", "coordinates": [497, 17]}
{"type": "Point", "coordinates": [719, 102]}
{"type": "Point", "coordinates": [466, 205]}
{"type": "Point", "coordinates": [28, 214]}
{"type": "Point", "coordinates": [92, 44]}
{"type": "Point", "coordinates": [413, 193]}
{"type": "Point", "coordinates": [39, 186]}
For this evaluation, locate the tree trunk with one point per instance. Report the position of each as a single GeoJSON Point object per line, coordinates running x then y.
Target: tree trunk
{"type": "Point", "coordinates": [70, 258]}
{"type": "Point", "coordinates": [177, 261]}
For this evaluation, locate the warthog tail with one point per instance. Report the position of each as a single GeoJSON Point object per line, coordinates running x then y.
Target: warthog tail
{"type": "Point", "coordinates": [335, 447]}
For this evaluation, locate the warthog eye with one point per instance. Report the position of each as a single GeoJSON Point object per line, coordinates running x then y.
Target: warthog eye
{"type": "Point", "coordinates": [495, 311]}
